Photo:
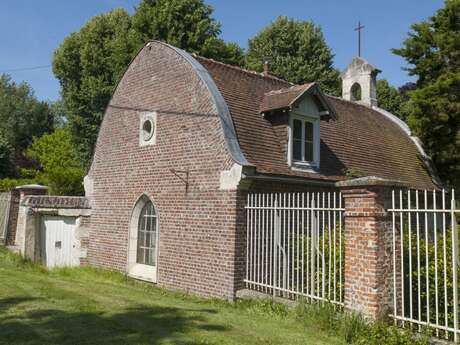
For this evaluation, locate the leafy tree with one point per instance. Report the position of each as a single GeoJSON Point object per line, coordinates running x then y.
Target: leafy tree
{"type": "Point", "coordinates": [405, 89]}
{"type": "Point", "coordinates": [60, 168]}
{"type": "Point", "coordinates": [296, 51]}
{"type": "Point", "coordinates": [390, 99]}
{"type": "Point", "coordinates": [5, 155]}
{"type": "Point", "coordinates": [432, 49]}
{"type": "Point", "coordinates": [186, 24]}
{"type": "Point", "coordinates": [89, 63]}
{"type": "Point", "coordinates": [22, 117]}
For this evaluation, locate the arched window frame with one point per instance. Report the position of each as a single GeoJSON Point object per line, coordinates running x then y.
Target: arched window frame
{"type": "Point", "coordinates": [135, 269]}
{"type": "Point", "coordinates": [356, 92]}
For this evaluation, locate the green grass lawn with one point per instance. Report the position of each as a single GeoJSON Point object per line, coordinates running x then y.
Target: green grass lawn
{"type": "Point", "coordinates": [87, 306]}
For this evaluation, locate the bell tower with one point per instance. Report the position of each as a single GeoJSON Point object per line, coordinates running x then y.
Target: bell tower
{"type": "Point", "coordinates": [359, 82]}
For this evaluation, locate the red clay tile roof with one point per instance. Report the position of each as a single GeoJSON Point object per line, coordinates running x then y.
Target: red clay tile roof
{"type": "Point", "coordinates": [282, 98]}
{"type": "Point", "coordinates": [360, 140]}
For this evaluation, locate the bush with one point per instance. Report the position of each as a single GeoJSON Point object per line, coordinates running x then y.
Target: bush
{"type": "Point", "coordinates": [60, 170]}
{"type": "Point", "coordinates": [354, 328]}
{"type": "Point", "coordinates": [435, 250]}
{"type": "Point", "coordinates": [7, 184]}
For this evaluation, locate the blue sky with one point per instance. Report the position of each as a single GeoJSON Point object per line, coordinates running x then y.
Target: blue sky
{"type": "Point", "coordinates": [30, 30]}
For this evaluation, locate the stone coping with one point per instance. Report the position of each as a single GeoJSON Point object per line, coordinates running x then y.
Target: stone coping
{"type": "Point", "coordinates": [46, 201]}
{"type": "Point", "coordinates": [32, 186]}
{"type": "Point", "coordinates": [370, 181]}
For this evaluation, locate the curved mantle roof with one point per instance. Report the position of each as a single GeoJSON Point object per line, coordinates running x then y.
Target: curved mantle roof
{"type": "Point", "coordinates": [361, 141]}
{"type": "Point", "coordinates": [221, 106]}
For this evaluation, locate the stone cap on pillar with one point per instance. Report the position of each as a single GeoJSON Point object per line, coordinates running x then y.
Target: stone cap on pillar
{"type": "Point", "coordinates": [32, 186]}
{"type": "Point", "coordinates": [31, 189]}
{"type": "Point", "coordinates": [370, 181]}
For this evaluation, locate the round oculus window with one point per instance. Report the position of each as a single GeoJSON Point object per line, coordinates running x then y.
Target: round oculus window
{"type": "Point", "coordinates": [147, 130]}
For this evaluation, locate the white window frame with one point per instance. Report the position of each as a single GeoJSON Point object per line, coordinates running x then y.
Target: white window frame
{"type": "Point", "coordinates": [304, 165]}
{"type": "Point", "coordinates": [134, 269]}
{"type": "Point", "coordinates": [143, 118]}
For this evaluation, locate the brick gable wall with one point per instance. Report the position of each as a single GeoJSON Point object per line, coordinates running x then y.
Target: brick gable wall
{"type": "Point", "coordinates": [197, 228]}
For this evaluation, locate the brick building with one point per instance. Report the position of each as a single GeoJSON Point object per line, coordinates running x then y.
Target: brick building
{"type": "Point", "coordinates": [184, 139]}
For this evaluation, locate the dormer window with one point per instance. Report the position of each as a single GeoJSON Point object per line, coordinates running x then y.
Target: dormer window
{"type": "Point", "coordinates": [306, 106]}
{"type": "Point", "coordinates": [304, 141]}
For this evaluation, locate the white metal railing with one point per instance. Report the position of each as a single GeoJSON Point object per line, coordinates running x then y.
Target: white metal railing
{"type": "Point", "coordinates": [425, 261]}
{"type": "Point", "coordinates": [5, 199]}
{"type": "Point", "coordinates": [294, 245]}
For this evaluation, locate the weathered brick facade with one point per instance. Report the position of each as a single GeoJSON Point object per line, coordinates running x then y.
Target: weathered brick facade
{"type": "Point", "coordinates": [197, 224]}
{"type": "Point", "coordinates": [13, 218]}
{"type": "Point", "coordinates": [368, 247]}
{"type": "Point", "coordinates": [17, 196]}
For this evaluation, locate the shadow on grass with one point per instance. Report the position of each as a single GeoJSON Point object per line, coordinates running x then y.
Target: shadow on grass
{"type": "Point", "coordinates": [140, 325]}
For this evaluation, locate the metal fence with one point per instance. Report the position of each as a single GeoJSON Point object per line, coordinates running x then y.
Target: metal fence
{"type": "Point", "coordinates": [425, 262]}
{"type": "Point", "coordinates": [295, 246]}
{"type": "Point", "coordinates": [5, 199]}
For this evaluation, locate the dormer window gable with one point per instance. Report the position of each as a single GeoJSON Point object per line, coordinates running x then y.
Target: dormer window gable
{"type": "Point", "coordinates": [306, 106]}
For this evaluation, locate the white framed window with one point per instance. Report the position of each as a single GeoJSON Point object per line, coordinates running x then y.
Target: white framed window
{"type": "Point", "coordinates": [304, 141]}
{"type": "Point", "coordinates": [143, 248]}
{"type": "Point", "coordinates": [147, 128]}
{"type": "Point", "coordinates": [147, 236]}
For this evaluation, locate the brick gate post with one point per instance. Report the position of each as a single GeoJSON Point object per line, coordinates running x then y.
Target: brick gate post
{"type": "Point", "coordinates": [20, 225]}
{"type": "Point", "coordinates": [368, 239]}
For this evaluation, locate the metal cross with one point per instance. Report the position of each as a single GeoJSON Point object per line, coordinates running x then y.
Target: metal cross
{"type": "Point", "coordinates": [359, 28]}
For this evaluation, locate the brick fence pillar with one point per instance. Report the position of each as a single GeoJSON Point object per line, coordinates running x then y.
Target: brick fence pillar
{"type": "Point", "coordinates": [368, 239]}
{"type": "Point", "coordinates": [18, 228]}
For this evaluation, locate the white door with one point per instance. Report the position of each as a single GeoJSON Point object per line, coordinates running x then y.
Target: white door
{"type": "Point", "coordinates": [58, 241]}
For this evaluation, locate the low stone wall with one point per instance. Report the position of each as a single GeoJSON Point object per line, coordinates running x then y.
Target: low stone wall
{"type": "Point", "coordinates": [32, 208]}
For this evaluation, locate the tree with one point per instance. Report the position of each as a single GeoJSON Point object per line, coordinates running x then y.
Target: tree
{"type": "Point", "coordinates": [432, 50]}
{"type": "Point", "coordinates": [390, 99]}
{"type": "Point", "coordinates": [89, 63]}
{"type": "Point", "coordinates": [60, 168]}
{"type": "Point", "coordinates": [5, 155]}
{"type": "Point", "coordinates": [22, 117]}
{"type": "Point", "coordinates": [186, 24]}
{"type": "Point", "coordinates": [296, 51]}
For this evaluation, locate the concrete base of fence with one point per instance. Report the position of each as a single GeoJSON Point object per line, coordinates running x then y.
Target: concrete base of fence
{"type": "Point", "coordinates": [257, 295]}
{"type": "Point", "coordinates": [368, 256]}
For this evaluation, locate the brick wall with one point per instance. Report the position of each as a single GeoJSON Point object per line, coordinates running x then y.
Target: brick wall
{"type": "Point", "coordinates": [197, 228]}
{"type": "Point", "coordinates": [368, 250]}
{"type": "Point", "coordinates": [13, 218]}
{"type": "Point", "coordinates": [18, 194]}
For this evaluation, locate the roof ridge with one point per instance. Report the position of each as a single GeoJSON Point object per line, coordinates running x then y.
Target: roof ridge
{"type": "Point", "coordinates": [289, 88]}
{"type": "Point", "coordinates": [241, 69]}
{"type": "Point", "coordinates": [350, 102]}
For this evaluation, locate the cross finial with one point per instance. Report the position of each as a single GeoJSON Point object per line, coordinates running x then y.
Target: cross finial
{"type": "Point", "coordinates": [359, 28]}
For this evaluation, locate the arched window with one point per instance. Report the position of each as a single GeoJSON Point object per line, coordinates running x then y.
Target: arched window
{"type": "Point", "coordinates": [147, 235]}
{"type": "Point", "coordinates": [356, 92]}
{"type": "Point", "coordinates": [143, 240]}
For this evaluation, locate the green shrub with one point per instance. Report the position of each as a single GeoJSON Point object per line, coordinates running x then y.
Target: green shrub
{"type": "Point", "coordinates": [353, 327]}
{"type": "Point", "coordinates": [435, 250]}
{"type": "Point", "coordinates": [7, 184]}
{"type": "Point", "coordinates": [60, 169]}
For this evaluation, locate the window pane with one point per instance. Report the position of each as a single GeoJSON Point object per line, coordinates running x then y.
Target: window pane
{"type": "Point", "coordinates": [140, 255]}
{"type": "Point", "coordinates": [297, 150]}
{"type": "Point", "coordinates": [308, 151]}
{"type": "Point", "coordinates": [146, 235]}
{"type": "Point", "coordinates": [308, 131]}
{"type": "Point", "coordinates": [141, 238]}
{"type": "Point", "coordinates": [151, 260]}
{"type": "Point", "coordinates": [297, 129]}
